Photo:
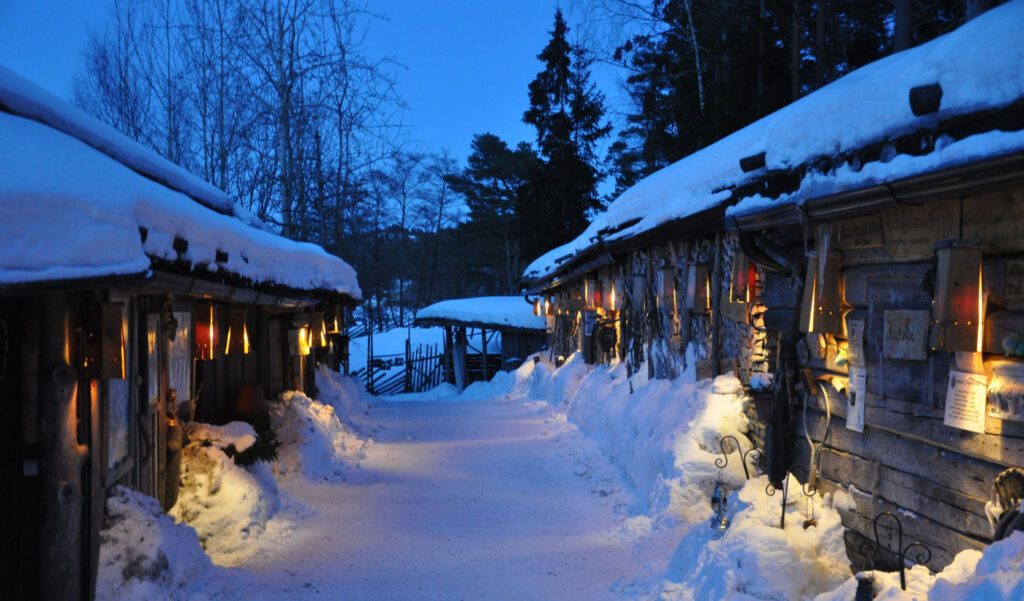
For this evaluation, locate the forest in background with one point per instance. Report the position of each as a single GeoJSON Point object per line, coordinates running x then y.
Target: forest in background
{"type": "Point", "coordinates": [280, 105]}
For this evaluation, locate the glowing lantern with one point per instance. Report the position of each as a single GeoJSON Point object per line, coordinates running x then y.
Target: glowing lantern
{"type": "Point", "coordinates": [304, 338]}
{"type": "Point", "coordinates": [334, 317]}
{"type": "Point", "coordinates": [744, 275]}
{"type": "Point", "coordinates": [592, 294]}
{"type": "Point", "coordinates": [821, 309]}
{"type": "Point", "coordinates": [238, 332]}
{"type": "Point", "coordinates": [206, 332]}
{"type": "Point", "coordinates": [538, 307]}
{"type": "Point", "coordinates": [958, 313]}
{"type": "Point", "coordinates": [549, 306]}
{"type": "Point", "coordinates": [698, 289]}
{"type": "Point", "coordinates": [618, 294]}
{"type": "Point", "coordinates": [317, 330]}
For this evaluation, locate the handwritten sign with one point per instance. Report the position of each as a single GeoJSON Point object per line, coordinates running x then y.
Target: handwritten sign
{"type": "Point", "coordinates": [911, 232]}
{"type": "Point", "coordinates": [965, 402]}
{"type": "Point", "coordinates": [1014, 280]}
{"type": "Point", "coordinates": [906, 333]}
{"type": "Point", "coordinates": [865, 232]}
{"type": "Point", "coordinates": [856, 398]}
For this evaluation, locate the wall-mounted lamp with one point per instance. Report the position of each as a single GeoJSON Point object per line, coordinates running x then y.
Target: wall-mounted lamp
{"type": "Point", "coordinates": [238, 332]}
{"type": "Point", "coordinates": [207, 336]}
{"type": "Point", "coordinates": [822, 308]}
{"type": "Point", "coordinates": [958, 310]}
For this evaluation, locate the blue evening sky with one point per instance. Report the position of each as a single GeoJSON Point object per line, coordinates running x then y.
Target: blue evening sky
{"type": "Point", "coordinates": [467, 63]}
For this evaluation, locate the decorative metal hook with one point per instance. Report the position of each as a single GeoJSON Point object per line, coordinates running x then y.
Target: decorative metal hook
{"type": "Point", "coordinates": [806, 488]}
{"type": "Point", "coordinates": [723, 461]}
{"type": "Point", "coordinates": [757, 459]}
{"type": "Point", "coordinates": [923, 556]}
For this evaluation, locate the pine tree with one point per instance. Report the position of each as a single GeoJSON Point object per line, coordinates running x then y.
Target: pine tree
{"type": "Point", "coordinates": [492, 182]}
{"type": "Point", "coordinates": [568, 114]}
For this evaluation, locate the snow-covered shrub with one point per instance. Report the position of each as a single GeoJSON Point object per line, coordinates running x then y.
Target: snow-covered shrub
{"type": "Point", "coordinates": [314, 442]}
{"type": "Point", "coordinates": [144, 554]}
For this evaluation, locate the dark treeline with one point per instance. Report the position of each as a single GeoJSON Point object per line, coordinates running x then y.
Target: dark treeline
{"type": "Point", "coordinates": [280, 105]}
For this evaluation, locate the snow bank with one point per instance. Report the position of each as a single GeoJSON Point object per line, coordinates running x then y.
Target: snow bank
{"type": "Point", "coordinates": [314, 442]}
{"type": "Point", "coordinates": [497, 311]}
{"type": "Point", "coordinates": [239, 435]}
{"type": "Point", "coordinates": [228, 505]}
{"type": "Point", "coordinates": [995, 575]}
{"type": "Point", "coordinates": [348, 397]}
{"type": "Point", "coordinates": [144, 554]}
{"type": "Point", "coordinates": [755, 558]}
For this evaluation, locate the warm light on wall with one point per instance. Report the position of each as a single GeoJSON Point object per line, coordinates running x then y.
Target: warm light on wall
{"type": "Point", "coordinates": [958, 311]}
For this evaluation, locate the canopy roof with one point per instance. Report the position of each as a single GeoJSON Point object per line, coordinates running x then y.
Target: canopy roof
{"type": "Point", "coordinates": [497, 312]}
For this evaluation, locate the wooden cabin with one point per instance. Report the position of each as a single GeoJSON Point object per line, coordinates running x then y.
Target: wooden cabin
{"type": "Point", "coordinates": [133, 297]}
{"type": "Point", "coordinates": [857, 257]}
{"type": "Point", "coordinates": [470, 325]}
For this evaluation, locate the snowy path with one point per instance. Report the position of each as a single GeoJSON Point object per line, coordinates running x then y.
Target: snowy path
{"type": "Point", "coordinates": [485, 500]}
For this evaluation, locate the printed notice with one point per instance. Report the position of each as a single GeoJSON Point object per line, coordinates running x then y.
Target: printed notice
{"type": "Point", "coordinates": [856, 398]}
{"type": "Point", "coordinates": [855, 335]}
{"type": "Point", "coordinates": [965, 402]}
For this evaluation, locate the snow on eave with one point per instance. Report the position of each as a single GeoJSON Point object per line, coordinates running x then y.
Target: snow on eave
{"type": "Point", "coordinates": [978, 67]}
{"type": "Point", "coordinates": [21, 97]}
{"type": "Point", "coordinates": [499, 312]}
{"type": "Point", "coordinates": [72, 212]}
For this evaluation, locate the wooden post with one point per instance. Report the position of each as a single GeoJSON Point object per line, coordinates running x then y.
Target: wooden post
{"type": "Point", "coordinates": [61, 544]}
{"type": "Point", "coordinates": [716, 309]}
{"type": "Point", "coordinates": [459, 357]}
{"type": "Point", "coordinates": [449, 369]}
{"type": "Point", "coordinates": [408, 365]}
{"type": "Point", "coordinates": [483, 353]}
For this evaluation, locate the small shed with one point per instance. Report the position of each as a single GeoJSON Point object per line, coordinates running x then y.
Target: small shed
{"type": "Point", "coordinates": [466, 320]}
{"type": "Point", "coordinates": [133, 297]}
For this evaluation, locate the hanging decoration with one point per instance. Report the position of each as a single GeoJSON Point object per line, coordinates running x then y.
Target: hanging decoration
{"type": "Point", "coordinates": [317, 330]}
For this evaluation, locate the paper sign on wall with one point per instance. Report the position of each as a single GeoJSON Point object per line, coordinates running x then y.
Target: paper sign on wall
{"type": "Point", "coordinates": [856, 398]}
{"type": "Point", "coordinates": [855, 335]}
{"type": "Point", "coordinates": [965, 402]}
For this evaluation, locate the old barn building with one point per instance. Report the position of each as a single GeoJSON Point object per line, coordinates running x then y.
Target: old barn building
{"type": "Point", "coordinates": [133, 296]}
{"type": "Point", "coordinates": [856, 259]}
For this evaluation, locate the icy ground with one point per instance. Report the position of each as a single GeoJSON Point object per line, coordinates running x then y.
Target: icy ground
{"type": "Point", "coordinates": [484, 500]}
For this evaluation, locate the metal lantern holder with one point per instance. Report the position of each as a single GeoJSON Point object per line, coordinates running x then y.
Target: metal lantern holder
{"type": "Point", "coordinates": [720, 505]}
{"type": "Point", "coordinates": [870, 548]}
{"type": "Point", "coordinates": [808, 489]}
{"type": "Point", "coordinates": [723, 461]}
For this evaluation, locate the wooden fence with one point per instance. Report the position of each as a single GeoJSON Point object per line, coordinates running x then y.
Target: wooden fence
{"type": "Point", "coordinates": [413, 371]}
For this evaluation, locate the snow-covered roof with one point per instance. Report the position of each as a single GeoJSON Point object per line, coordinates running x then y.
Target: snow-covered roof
{"type": "Point", "coordinates": [502, 312]}
{"type": "Point", "coordinates": [979, 67]}
{"type": "Point", "coordinates": [79, 200]}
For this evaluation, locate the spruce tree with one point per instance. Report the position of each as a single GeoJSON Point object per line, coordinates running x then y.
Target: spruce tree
{"type": "Point", "coordinates": [568, 114]}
